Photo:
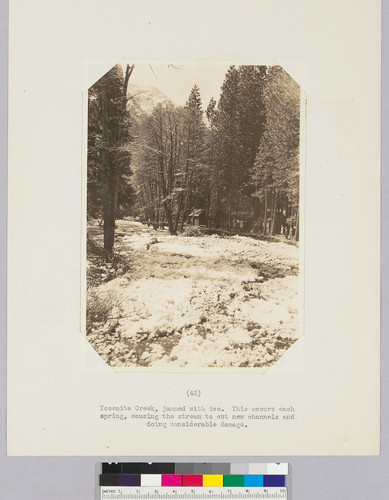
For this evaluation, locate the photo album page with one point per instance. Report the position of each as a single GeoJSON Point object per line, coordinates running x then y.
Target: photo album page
{"type": "Point", "coordinates": [194, 228]}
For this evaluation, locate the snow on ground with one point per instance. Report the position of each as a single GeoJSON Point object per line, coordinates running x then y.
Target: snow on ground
{"type": "Point", "coordinates": [205, 301]}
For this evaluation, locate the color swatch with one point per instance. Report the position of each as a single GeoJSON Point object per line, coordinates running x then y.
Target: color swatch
{"type": "Point", "coordinates": [232, 475]}
{"type": "Point", "coordinates": [197, 468]}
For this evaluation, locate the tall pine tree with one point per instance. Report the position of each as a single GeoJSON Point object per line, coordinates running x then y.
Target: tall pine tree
{"type": "Point", "coordinates": [108, 151]}
{"type": "Point", "coordinates": [237, 125]}
{"type": "Point", "coordinates": [276, 169]}
{"type": "Point", "coordinates": [194, 173]}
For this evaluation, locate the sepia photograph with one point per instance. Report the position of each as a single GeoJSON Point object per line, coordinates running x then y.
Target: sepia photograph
{"type": "Point", "coordinates": [186, 192]}
{"type": "Point", "coordinates": [193, 215]}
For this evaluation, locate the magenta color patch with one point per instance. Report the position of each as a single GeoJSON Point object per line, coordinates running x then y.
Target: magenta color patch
{"type": "Point", "coordinates": [171, 480]}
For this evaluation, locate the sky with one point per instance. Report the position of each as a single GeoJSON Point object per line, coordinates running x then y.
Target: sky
{"type": "Point", "coordinates": [176, 80]}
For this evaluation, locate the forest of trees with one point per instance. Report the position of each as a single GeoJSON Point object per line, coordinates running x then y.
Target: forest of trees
{"type": "Point", "coordinates": [236, 159]}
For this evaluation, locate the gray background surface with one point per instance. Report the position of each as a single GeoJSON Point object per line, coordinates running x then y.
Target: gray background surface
{"type": "Point", "coordinates": [74, 478]}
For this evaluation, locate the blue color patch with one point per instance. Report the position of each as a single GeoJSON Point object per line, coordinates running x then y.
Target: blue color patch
{"type": "Point", "coordinates": [253, 480]}
{"type": "Point", "coordinates": [129, 480]}
{"type": "Point", "coordinates": [274, 480]}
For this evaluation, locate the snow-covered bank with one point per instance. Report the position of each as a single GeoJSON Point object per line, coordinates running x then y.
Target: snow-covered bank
{"type": "Point", "coordinates": [198, 301]}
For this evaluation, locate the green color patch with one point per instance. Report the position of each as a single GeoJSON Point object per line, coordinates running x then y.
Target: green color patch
{"type": "Point", "coordinates": [233, 480]}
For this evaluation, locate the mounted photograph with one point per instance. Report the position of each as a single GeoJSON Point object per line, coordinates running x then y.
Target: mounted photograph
{"type": "Point", "coordinates": [193, 216]}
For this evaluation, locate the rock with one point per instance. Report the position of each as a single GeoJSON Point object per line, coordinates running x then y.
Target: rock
{"type": "Point", "coordinates": [252, 326]}
{"type": "Point", "coordinates": [225, 344]}
{"type": "Point", "coordinates": [239, 337]}
{"type": "Point", "coordinates": [115, 312]}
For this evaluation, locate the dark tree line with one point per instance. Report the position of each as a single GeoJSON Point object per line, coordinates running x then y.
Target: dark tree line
{"type": "Point", "coordinates": [275, 172]}
{"type": "Point", "coordinates": [238, 161]}
{"type": "Point", "coordinates": [237, 126]}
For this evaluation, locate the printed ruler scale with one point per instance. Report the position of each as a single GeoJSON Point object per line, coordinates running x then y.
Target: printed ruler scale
{"type": "Point", "coordinates": [193, 481]}
{"type": "Point", "coordinates": [189, 493]}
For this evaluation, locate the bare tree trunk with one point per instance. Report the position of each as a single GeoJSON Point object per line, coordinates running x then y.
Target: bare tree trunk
{"type": "Point", "coordinates": [169, 218]}
{"type": "Point", "coordinates": [166, 207]}
{"type": "Point", "coordinates": [109, 219]}
{"type": "Point", "coordinates": [110, 169]}
{"type": "Point", "coordinates": [297, 235]}
{"type": "Point", "coordinates": [109, 228]}
{"type": "Point", "coordinates": [273, 211]}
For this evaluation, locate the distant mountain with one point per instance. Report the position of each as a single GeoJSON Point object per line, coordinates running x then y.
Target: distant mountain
{"type": "Point", "coordinates": [144, 99]}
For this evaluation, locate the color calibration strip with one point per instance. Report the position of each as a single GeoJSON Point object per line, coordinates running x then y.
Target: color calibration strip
{"type": "Point", "coordinates": [194, 474]}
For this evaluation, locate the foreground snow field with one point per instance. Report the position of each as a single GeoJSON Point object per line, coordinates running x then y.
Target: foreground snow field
{"type": "Point", "coordinates": [195, 302]}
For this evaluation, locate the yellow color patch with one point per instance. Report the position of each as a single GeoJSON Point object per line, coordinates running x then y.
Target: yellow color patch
{"type": "Point", "coordinates": [212, 480]}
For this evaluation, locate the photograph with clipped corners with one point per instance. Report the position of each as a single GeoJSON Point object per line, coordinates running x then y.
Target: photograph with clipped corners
{"type": "Point", "coordinates": [193, 216]}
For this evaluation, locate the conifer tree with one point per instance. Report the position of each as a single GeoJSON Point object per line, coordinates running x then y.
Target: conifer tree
{"type": "Point", "coordinates": [108, 152]}
{"type": "Point", "coordinates": [194, 174]}
{"type": "Point", "coordinates": [238, 124]}
{"type": "Point", "coordinates": [276, 169]}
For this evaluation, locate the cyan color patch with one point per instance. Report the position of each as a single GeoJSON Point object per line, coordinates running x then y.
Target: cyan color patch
{"type": "Point", "coordinates": [253, 480]}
